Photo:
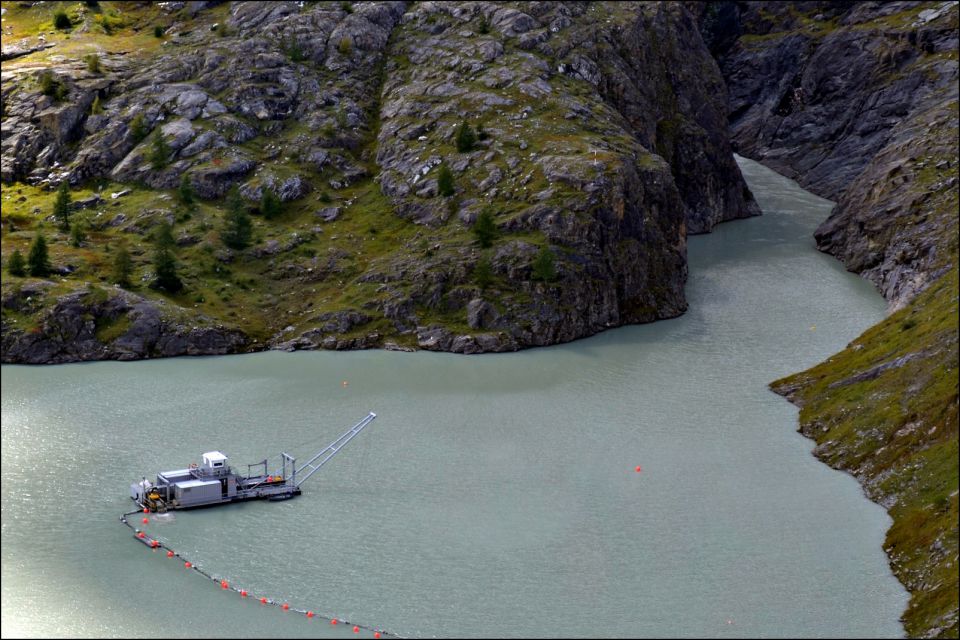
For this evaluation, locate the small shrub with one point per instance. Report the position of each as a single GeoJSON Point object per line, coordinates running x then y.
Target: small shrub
{"type": "Point", "coordinates": [481, 134]}
{"type": "Point", "coordinates": [347, 7]}
{"type": "Point", "coordinates": [294, 51]}
{"type": "Point", "coordinates": [445, 181]}
{"type": "Point", "coordinates": [93, 63]}
{"type": "Point", "coordinates": [96, 108]}
{"type": "Point", "coordinates": [544, 267]}
{"type": "Point", "coordinates": [325, 197]}
{"type": "Point", "coordinates": [107, 24]}
{"type": "Point", "coordinates": [17, 266]}
{"type": "Point", "coordinates": [138, 128]}
{"type": "Point", "coordinates": [223, 30]}
{"type": "Point", "coordinates": [453, 205]}
{"type": "Point", "coordinates": [159, 152]}
{"type": "Point", "coordinates": [158, 31]}
{"type": "Point", "coordinates": [465, 138]}
{"type": "Point", "coordinates": [485, 229]}
{"type": "Point", "coordinates": [484, 26]}
{"type": "Point", "coordinates": [342, 120]}
{"type": "Point", "coordinates": [122, 267]}
{"type": "Point", "coordinates": [61, 20]}
{"type": "Point", "coordinates": [345, 47]}
{"type": "Point", "coordinates": [52, 86]}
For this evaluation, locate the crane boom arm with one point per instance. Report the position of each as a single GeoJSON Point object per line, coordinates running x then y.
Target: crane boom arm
{"type": "Point", "coordinates": [334, 447]}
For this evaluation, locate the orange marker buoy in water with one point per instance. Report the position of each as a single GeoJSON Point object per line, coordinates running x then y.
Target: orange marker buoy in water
{"type": "Point", "coordinates": [309, 614]}
{"type": "Point", "coordinates": [224, 584]}
{"type": "Point", "coordinates": [145, 510]}
{"type": "Point", "coordinates": [356, 629]}
{"type": "Point", "coordinates": [243, 593]}
{"type": "Point", "coordinates": [269, 478]}
{"type": "Point", "coordinates": [285, 606]}
{"type": "Point", "coordinates": [263, 601]}
{"type": "Point", "coordinates": [638, 469]}
{"type": "Point", "coordinates": [333, 621]}
{"type": "Point", "coordinates": [169, 554]}
{"type": "Point", "coordinates": [146, 520]}
{"type": "Point", "coordinates": [187, 565]}
{"type": "Point", "coordinates": [376, 634]}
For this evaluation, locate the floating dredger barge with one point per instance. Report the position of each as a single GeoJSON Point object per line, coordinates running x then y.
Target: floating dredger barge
{"type": "Point", "coordinates": [213, 482]}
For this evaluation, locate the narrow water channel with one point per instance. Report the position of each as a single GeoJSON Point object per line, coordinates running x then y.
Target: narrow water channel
{"type": "Point", "coordinates": [495, 495]}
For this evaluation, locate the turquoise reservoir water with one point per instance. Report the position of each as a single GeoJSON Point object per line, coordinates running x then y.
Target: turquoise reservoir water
{"type": "Point", "coordinates": [494, 496]}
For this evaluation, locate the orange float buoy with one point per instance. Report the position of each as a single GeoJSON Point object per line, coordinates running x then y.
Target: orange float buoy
{"type": "Point", "coordinates": [285, 606]}
{"type": "Point", "coordinates": [224, 584]}
{"type": "Point", "coordinates": [309, 614]}
{"type": "Point", "coordinates": [146, 520]}
{"type": "Point", "coordinates": [356, 629]}
{"type": "Point", "coordinates": [243, 593]}
{"type": "Point", "coordinates": [187, 565]}
{"type": "Point", "coordinates": [169, 554]}
{"type": "Point", "coordinates": [333, 621]}
{"type": "Point", "coordinates": [145, 510]}
{"type": "Point", "coordinates": [376, 634]}
{"type": "Point", "coordinates": [269, 478]}
{"type": "Point", "coordinates": [263, 601]}
{"type": "Point", "coordinates": [638, 469]}
{"type": "Point", "coordinates": [154, 544]}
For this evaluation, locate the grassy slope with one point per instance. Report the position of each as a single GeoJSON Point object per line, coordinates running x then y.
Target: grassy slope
{"type": "Point", "coordinates": [895, 429]}
{"type": "Point", "coordinates": [261, 296]}
{"type": "Point", "coordinates": [897, 433]}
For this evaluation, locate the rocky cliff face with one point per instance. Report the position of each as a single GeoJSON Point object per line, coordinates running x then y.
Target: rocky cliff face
{"type": "Point", "coordinates": [600, 142]}
{"type": "Point", "coordinates": [857, 101]}
{"type": "Point", "coordinates": [97, 324]}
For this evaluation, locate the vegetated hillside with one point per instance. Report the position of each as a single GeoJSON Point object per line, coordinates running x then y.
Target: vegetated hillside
{"type": "Point", "coordinates": [453, 176]}
{"type": "Point", "coordinates": [858, 102]}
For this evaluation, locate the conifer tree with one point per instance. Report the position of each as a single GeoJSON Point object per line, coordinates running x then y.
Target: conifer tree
{"type": "Point", "coordinates": [122, 266]}
{"type": "Point", "coordinates": [445, 181]}
{"type": "Point", "coordinates": [237, 228]}
{"type": "Point", "coordinates": [185, 192]}
{"type": "Point", "coordinates": [543, 266]}
{"type": "Point", "coordinates": [159, 152]}
{"type": "Point", "coordinates": [483, 273]}
{"type": "Point", "coordinates": [485, 228]}
{"type": "Point", "coordinates": [38, 260]}
{"type": "Point", "coordinates": [465, 138]}
{"type": "Point", "coordinates": [17, 266]}
{"type": "Point", "coordinates": [164, 261]}
{"type": "Point", "coordinates": [270, 205]}
{"type": "Point", "coordinates": [61, 206]}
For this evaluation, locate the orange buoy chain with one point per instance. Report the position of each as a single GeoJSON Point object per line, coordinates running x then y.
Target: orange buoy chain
{"type": "Point", "coordinates": [225, 585]}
